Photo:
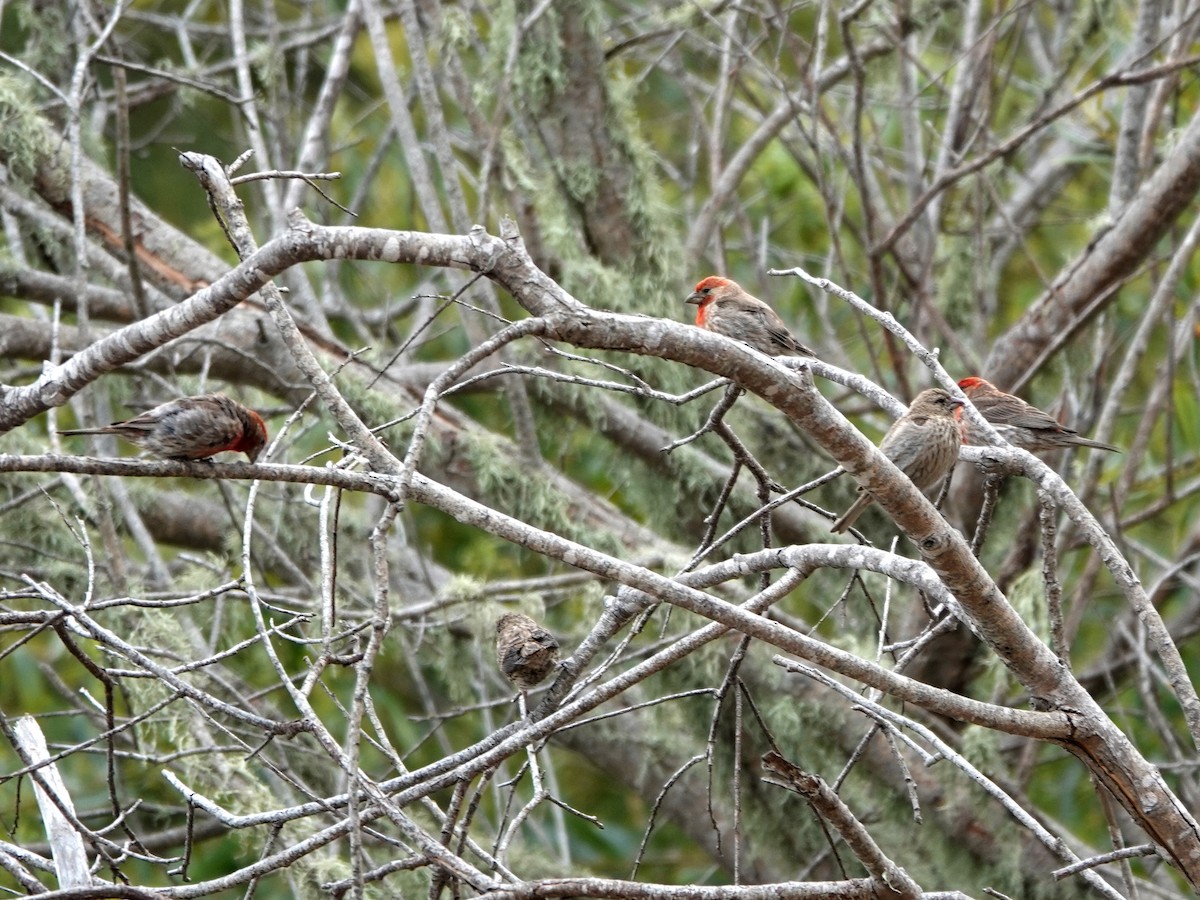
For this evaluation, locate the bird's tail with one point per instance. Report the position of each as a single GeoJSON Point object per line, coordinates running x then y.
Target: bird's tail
{"type": "Point", "coordinates": [842, 525]}
{"type": "Point", "coordinates": [104, 429]}
{"type": "Point", "coordinates": [1098, 445]}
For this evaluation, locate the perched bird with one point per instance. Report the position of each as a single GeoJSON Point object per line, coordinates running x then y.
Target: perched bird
{"type": "Point", "coordinates": [1021, 424]}
{"type": "Point", "coordinates": [923, 443]}
{"type": "Point", "coordinates": [191, 428]}
{"type": "Point", "coordinates": [525, 651]}
{"type": "Point", "coordinates": [724, 307]}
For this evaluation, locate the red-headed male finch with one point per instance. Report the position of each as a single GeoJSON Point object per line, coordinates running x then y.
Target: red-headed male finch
{"type": "Point", "coordinates": [724, 307]}
{"type": "Point", "coordinates": [923, 444]}
{"type": "Point", "coordinates": [191, 428]}
{"type": "Point", "coordinates": [525, 651]}
{"type": "Point", "coordinates": [1019, 423]}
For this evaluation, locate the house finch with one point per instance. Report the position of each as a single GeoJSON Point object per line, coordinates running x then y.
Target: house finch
{"type": "Point", "coordinates": [525, 651]}
{"type": "Point", "coordinates": [923, 443]}
{"type": "Point", "coordinates": [1019, 423]}
{"type": "Point", "coordinates": [191, 428]}
{"type": "Point", "coordinates": [723, 307]}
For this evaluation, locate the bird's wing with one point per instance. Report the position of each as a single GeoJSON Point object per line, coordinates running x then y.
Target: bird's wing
{"type": "Point", "coordinates": [1032, 417]}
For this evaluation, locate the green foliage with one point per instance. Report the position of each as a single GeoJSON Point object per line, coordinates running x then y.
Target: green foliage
{"type": "Point", "coordinates": [530, 499]}
{"type": "Point", "coordinates": [463, 589]}
{"type": "Point", "coordinates": [541, 68]}
{"type": "Point", "coordinates": [42, 32]}
{"type": "Point", "coordinates": [961, 269]}
{"type": "Point", "coordinates": [1028, 597]}
{"type": "Point", "coordinates": [26, 144]}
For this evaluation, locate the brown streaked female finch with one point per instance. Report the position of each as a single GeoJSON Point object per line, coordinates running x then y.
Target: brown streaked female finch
{"type": "Point", "coordinates": [525, 651]}
{"type": "Point", "coordinates": [1019, 423]}
{"type": "Point", "coordinates": [191, 428]}
{"type": "Point", "coordinates": [923, 444]}
{"type": "Point", "coordinates": [724, 307]}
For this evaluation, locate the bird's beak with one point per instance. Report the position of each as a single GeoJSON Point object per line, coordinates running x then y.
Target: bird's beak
{"type": "Point", "coordinates": [694, 298]}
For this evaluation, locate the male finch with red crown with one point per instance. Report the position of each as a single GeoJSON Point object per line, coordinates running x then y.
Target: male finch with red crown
{"type": "Point", "coordinates": [191, 428]}
{"type": "Point", "coordinates": [724, 307]}
{"type": "Point", "coordinates": [1019, 423]}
